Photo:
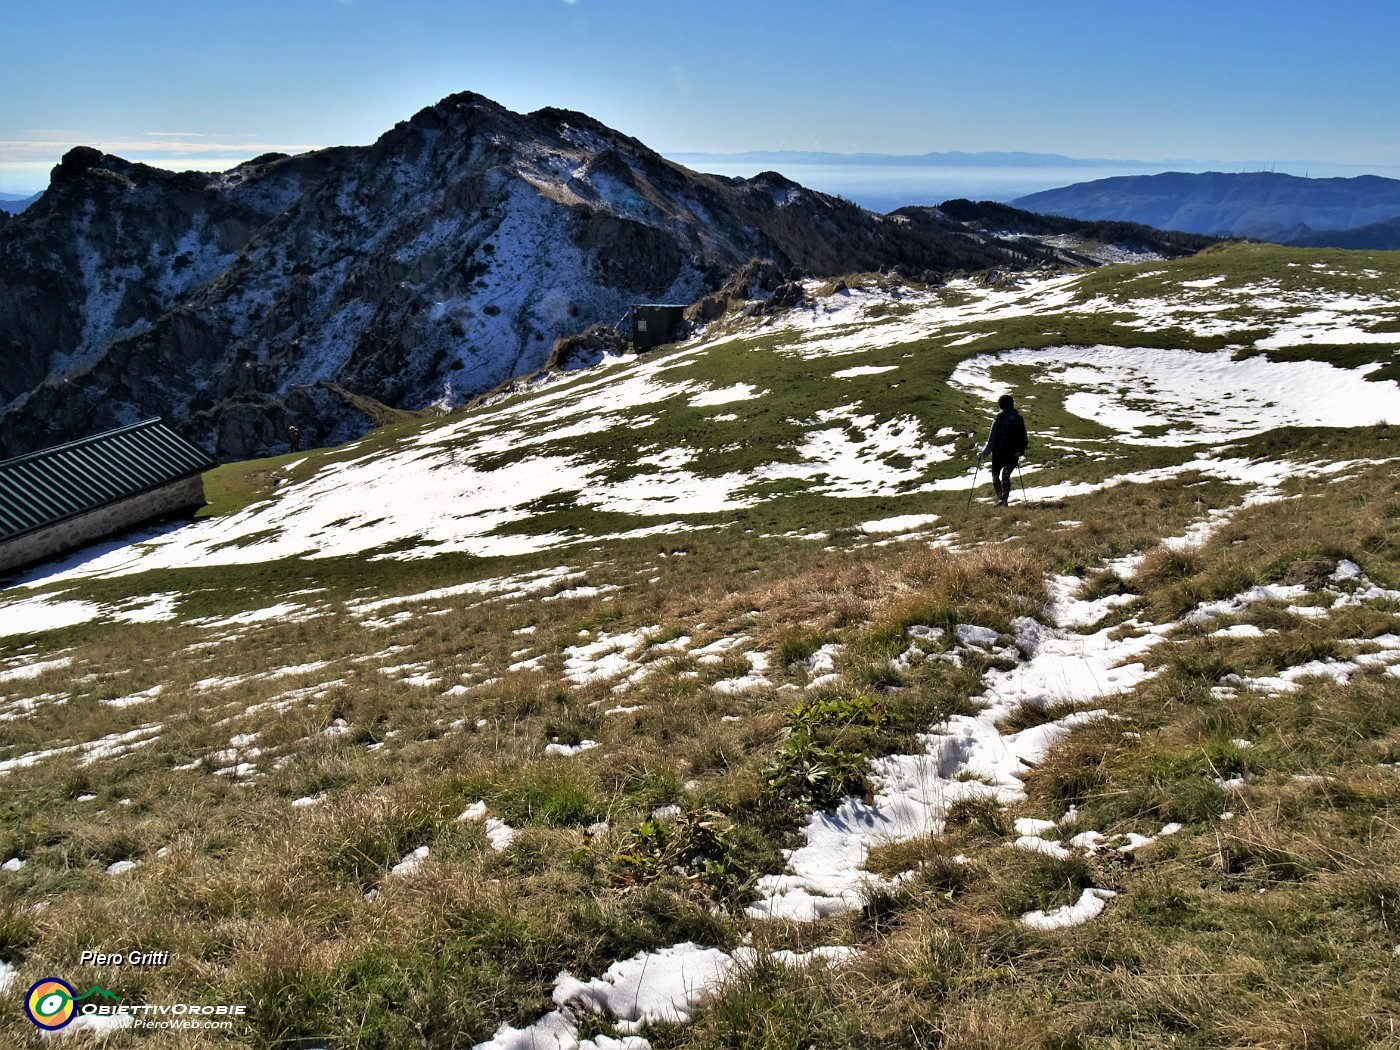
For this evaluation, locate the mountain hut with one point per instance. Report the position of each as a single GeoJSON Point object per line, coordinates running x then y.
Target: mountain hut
{"type": "Point", "coordinates": [654, 324]}
{"type": "Point", "coordinates": [62, 498]}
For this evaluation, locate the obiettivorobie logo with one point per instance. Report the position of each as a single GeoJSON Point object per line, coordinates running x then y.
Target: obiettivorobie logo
{"type": "Point", "coordinates": [52, 1003]}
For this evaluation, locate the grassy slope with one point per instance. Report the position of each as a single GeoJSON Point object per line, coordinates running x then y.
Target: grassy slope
{"type": "Point", "coordinates": [1275, 928]}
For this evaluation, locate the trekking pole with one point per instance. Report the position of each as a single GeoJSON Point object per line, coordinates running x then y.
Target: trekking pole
{"type": "Point", "coordinates": [1022, 476]}
{"type": "Point", "coordinates": [974, 483]}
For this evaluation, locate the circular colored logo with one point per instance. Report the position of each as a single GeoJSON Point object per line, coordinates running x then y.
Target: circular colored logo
{"type": "Point", "coordinates": [49, 1003]}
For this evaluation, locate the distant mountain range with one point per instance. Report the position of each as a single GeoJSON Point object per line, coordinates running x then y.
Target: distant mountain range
{"type": "Point", "coordinates": [452, 255]}
{"type": "Point", "coordinates": [1360, 212]}
{"type": "Point", "coordinates": [993, 159]}
{"type": "Point", "coordinates": [885, 182]}
{"type": "Point", "coordinates": [14, 203]}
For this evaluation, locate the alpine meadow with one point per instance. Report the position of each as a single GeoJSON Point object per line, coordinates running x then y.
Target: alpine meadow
{"type": "Point", "coordinates": [701, 698]}
{"type": "Point", "coordinates": [699, 525]}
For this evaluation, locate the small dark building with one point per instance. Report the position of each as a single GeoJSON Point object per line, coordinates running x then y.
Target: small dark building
{"type": "Point", "coordinates": [62, 498]}
{"type": "Point", "coordinates": [654, 324]}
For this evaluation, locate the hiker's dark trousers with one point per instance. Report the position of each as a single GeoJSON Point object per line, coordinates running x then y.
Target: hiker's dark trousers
{"type": "Point", "coordinates": [1002, 466]}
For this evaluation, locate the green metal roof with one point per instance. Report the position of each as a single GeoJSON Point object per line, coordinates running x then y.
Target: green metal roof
{"type": "Point", "coordinates": [51, 485]}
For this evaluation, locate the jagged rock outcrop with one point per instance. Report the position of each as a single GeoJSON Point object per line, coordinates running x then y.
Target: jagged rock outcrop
{"type": "Point", "coordinates": [587, 348]}
{"type": "Point", "coordinates": [754, 282]}
{"type": "Point", "coordinates": [442, 260]}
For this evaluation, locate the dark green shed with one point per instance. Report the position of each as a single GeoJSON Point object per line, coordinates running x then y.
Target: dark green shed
{"type": "Point", "coordinates": [654, 324]}
{"type": "Point", "coordinates": [61, 498]}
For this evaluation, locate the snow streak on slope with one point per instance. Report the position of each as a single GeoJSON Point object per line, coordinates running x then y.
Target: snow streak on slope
{"type": "Point", "coordinates": [966, 757]}
{"type": "Point", "coordinates": [855, 321]}
{"type": "Point", "coordinates": [969, 757]}
{"type": "Point", "coordinates": [660, 987]}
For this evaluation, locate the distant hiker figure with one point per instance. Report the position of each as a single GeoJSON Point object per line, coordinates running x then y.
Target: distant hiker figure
{"type": "Point", "coordinates": [294, 438]}
{"type": "Point", "coordinates": [1006, 444]}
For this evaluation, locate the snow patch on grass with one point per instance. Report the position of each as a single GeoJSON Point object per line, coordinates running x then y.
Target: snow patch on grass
{"type": "Point", "coordinates": [1133, 389]}
{"type": "Point", "coordinates": [725, 396]}
{"type": "Point", "coordinates": [899, 523]}
{"type": "Point", "coordinates": [1090, 905]}
{"type": "Point", "coordinates": [44, 613]}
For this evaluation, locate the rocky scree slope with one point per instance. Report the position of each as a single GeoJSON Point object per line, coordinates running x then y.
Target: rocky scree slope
{"type": "Point", "coordinates": [445, 258]}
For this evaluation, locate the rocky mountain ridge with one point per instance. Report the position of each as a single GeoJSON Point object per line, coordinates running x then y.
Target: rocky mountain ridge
{"type": "Point", "coordinates": [449, 256]}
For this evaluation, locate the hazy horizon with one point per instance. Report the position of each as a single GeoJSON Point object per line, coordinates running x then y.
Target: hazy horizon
{"type": "Point", "coordinates": [208, 85]}
{"type": "Point", "coordinates": [884, 187]}
{"type": "Point", "coordinates": [883, 182]}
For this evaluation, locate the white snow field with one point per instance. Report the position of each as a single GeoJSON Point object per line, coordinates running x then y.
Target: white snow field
{"type": "Point", "coordinates": [1194, 396]}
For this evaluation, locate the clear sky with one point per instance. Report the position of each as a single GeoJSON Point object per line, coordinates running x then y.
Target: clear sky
{"type": "Point", "coordinates": [207, 83]}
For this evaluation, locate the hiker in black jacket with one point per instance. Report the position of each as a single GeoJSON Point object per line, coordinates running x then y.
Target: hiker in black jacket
{"type": "Point", "coordinates": [1006, 444]}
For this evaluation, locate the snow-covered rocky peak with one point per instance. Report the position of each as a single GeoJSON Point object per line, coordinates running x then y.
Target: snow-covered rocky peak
{"type": "Point", "coordinates": [329, 289]}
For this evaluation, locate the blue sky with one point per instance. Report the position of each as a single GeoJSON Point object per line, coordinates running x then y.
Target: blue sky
{"type": "Point", "coordinates": [206, 83]}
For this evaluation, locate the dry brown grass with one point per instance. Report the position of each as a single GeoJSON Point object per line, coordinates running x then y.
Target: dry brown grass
{"type": "Point", "coordinates": [266, 902]}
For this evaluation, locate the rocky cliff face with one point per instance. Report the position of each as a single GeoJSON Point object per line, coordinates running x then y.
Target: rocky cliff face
{"type": "Point", "coordinates": [434, 264]}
